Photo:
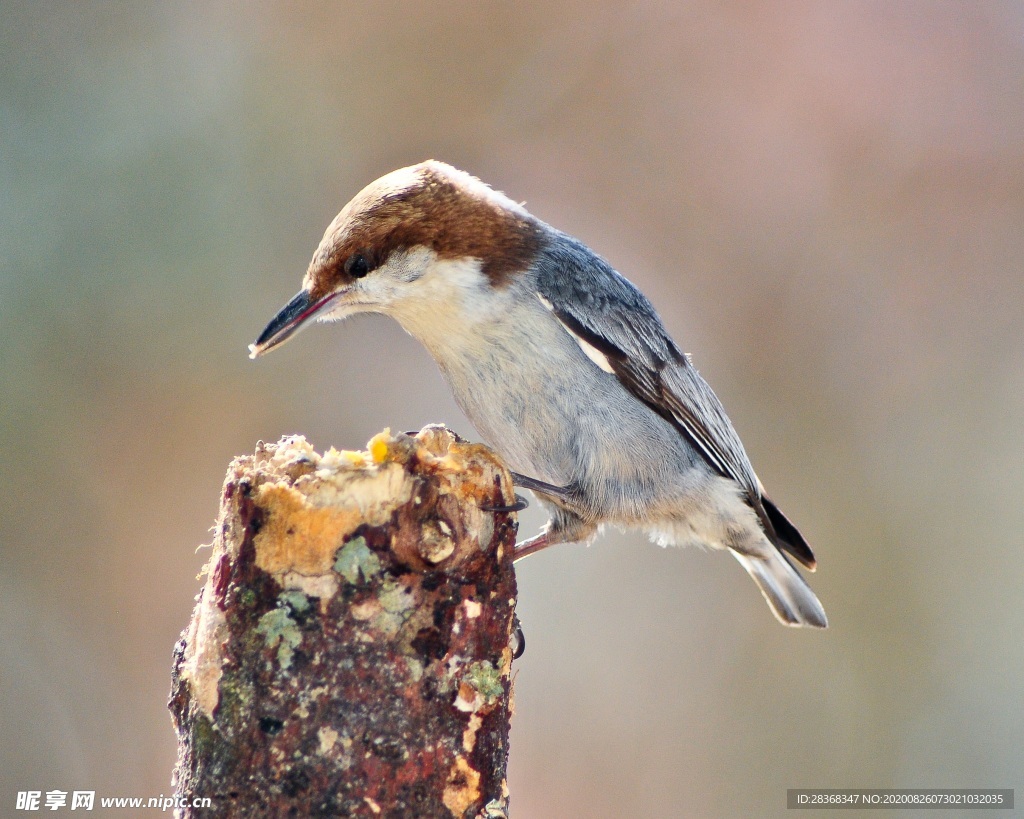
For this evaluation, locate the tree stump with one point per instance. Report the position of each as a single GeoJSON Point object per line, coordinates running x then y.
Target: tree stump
{"type": "Point", "coordinates": [349, 653]}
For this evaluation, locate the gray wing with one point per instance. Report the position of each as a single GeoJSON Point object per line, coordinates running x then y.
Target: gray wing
{"type": "Point", "coordinates": [606, 310]}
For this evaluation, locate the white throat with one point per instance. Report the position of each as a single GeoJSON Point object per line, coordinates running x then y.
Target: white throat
{"type": "Point", "coordinates": [444, 305]}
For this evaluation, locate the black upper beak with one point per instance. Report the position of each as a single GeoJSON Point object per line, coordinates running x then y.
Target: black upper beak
{"type": "Point", "coordinates": [295, 315]}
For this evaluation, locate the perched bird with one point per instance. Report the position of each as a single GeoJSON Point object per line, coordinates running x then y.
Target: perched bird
{"type": "Point", "coordinates": [562, 365]}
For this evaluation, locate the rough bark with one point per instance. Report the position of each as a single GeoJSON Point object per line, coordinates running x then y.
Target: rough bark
{"type": "Point", "coordinates": [349, 653]}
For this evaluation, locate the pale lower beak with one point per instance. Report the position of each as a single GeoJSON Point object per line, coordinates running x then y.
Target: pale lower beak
{"type": "Point", "coordinates": [295, 315]}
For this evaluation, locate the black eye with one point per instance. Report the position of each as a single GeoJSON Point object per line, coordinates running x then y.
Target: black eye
{"type": "Point", "coordinates": [357, 265]}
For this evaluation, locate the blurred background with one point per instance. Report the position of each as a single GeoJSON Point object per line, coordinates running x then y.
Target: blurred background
{"type": "Point", "coordinates": [824, 200]}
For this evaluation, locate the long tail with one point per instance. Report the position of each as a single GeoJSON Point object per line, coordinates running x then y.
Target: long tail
{"type": "Point", "coordinates": [790, 598]}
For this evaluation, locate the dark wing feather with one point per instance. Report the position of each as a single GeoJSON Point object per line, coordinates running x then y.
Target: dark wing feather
{"type": "Point", "coordinates": [606, 310]}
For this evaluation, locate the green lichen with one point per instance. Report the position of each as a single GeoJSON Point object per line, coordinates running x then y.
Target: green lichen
{"type": "Point", "coordinates": [387, 623]}
{"type": "Point", "coordinates": [204, 737]}
{"type": "Point", "coordinates": [394, 597]}
{"type": "Point", "coordinates": [295, 600]}
{"type": "Point", "coordinates": [280, 630]}
{"type": "Point", "coordinates": [235, 702]}
{"type": "Point", "coordinates": [396, 605]}
{"type": "Point", "coordinates": [355, 558]}
{"type": "Point", "coordinates": [415, 667]}
{"type": "Point", "coordinates": [485, 678]}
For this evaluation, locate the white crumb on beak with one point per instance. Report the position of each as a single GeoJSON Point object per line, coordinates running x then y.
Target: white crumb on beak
{"type": "Point", "coordinates": [253, 351]}
{"type": "Point", "coordinates": [591, 352]}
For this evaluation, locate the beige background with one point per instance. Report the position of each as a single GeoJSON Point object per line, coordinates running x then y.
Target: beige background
{"type": "Point", "coordinates": [824, 200]}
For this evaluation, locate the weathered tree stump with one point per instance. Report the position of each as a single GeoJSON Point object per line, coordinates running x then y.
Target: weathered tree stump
{"type": "Point", "coordinates": [349, 653]}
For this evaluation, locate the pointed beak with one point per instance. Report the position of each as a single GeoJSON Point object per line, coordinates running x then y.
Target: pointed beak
{"type": "Point", "coordinates": [295, 315]}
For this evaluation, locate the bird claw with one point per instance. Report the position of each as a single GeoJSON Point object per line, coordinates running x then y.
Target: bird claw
{"type": "Point", "coordinates": [520, 504]}
{"type": "Point", "coordinates": [518, 643]}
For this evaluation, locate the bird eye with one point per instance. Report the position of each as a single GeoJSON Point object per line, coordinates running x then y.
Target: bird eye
{"type": "Point", "coordinates": [357, 265]}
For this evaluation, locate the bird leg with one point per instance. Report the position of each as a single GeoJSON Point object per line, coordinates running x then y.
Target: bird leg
{"type": "Point", "coordinates": [540, 486]}
{"type": "Point", "coordinates": [533, 484]}
{"type": "Point", "coordinates": [528, 547]}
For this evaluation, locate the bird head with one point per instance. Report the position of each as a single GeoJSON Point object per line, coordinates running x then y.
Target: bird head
{"type": "Point", "coordinates": [417, 244]}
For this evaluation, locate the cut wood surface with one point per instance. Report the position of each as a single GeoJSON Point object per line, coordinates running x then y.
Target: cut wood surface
{"type": "Point", "coordinates": [349, 653]}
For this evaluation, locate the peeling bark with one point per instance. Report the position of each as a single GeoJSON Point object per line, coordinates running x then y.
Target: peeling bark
{"type": "Point", "coordinates": [349, 653]}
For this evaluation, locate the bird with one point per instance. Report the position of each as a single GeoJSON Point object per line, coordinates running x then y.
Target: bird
{"type": "Point", "coordinates": [561, 364]}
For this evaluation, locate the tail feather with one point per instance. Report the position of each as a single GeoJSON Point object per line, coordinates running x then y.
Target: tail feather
{"type": "Point", "coordinates": [786, 592]}
{"type": "Point", "coordinates": [787, 536]}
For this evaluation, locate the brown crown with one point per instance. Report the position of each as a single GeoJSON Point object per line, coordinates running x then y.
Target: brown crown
{"type": "Point", "coordinates": [429, 205]}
